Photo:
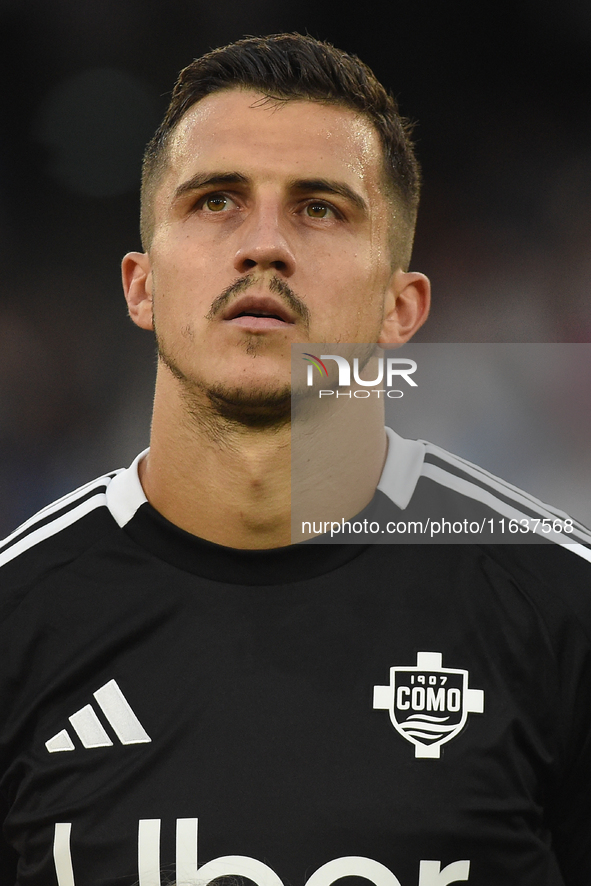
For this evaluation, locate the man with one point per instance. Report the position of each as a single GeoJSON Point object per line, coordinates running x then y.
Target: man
{"type": "Point", "coordinates": [186, 695]}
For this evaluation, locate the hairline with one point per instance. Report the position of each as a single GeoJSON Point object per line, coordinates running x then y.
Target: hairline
{"type": "Point", "coordinates": [159, 164]}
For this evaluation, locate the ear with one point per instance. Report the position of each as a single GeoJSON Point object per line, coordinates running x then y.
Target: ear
{"type": "Point", "coordinates": [136, 273]}
{"type": "Point", "coordinates": [406, 307]}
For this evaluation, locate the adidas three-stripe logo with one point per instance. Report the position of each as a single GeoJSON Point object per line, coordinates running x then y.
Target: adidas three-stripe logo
{"type": "Point", "coordinates": [90, 730]}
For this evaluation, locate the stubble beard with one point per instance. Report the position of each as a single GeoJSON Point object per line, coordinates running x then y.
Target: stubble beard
{"type": "Point", "coordinates": [219, 406]}
{"type": "Point", "coordinates": [223, 406]}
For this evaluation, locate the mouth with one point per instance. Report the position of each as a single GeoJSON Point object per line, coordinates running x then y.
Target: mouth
{"type": "Point", "coordinates": [258, 313]}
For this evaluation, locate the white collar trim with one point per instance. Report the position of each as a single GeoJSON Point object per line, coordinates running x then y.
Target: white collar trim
{"type": "Point", "coordinates": [125, 494]}
{"type": "Point", "coordinates": [402, 469]}
{"type": "Point", "coordinates": [401, 472]}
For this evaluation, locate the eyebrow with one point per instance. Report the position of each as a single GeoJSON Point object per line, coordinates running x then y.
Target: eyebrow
{"type": "Point", "coordinates": [328, 186]}
{"type": "Point", "coordinates": [323, 185]}
{"type": "Point", "coordinates": [205, 179]}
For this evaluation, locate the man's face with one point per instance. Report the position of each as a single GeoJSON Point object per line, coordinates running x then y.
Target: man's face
{"type": "Point", "coordinates": [271, 227]}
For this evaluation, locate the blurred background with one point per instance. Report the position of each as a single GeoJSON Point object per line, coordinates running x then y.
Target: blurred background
{"type": "Point", "coordinates": [501, 93]}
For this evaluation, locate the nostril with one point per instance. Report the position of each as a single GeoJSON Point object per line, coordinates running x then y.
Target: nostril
{"type": "Point", "coordinates": [275, 255]}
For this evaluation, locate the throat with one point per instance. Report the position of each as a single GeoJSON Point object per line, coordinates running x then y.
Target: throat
{"type": "Point", "coordinates": [221, 480]}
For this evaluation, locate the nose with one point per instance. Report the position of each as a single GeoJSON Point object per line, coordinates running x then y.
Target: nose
{"type": "Point", "coordinates": [263, 243]}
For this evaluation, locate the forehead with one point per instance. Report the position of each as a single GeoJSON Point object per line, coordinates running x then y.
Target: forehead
{"type": "Point", "coordinates": [239, 130]}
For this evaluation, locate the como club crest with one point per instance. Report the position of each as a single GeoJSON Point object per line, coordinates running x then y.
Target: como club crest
{"type": "Point", "coordinates": [428, 704]}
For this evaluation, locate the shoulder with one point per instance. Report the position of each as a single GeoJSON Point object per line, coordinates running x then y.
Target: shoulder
{"type": "Point", "coordinates": [545, 571]}
{"type": "Point", "coordinates": [427, 481]}
{"type": "Point", "coordinates": [58, 535]}
{"type": "Point", "coordinates": [555, 578]}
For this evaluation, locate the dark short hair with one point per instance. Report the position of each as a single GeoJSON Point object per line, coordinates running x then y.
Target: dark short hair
{"type": "Point", "coordinates": [284, 67]}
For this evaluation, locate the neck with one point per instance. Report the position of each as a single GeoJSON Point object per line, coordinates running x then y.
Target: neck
{"type": "Point", "coordinates": [232, 484]}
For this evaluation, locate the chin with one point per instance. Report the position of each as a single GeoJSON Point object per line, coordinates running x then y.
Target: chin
{"type": "Point", "coordinates": [251, 407]}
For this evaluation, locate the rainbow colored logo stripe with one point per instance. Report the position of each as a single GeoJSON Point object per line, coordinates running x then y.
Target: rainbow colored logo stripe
{"type": "Point", "coordinates": [317, 362]}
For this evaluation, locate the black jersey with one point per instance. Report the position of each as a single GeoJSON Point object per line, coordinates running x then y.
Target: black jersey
{"type": "Point", "coordinates": [412, 715]}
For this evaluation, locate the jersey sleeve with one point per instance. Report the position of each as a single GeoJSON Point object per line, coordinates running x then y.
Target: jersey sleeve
{"type": "Point", "coordinates": [559, 583]}
{"type": "Point", "coordinates": [570, 820]}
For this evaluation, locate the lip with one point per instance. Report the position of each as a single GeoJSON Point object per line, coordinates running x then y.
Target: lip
{"type": "Point", "coordinates": [258, 312]}
{"type": "Point", "coordinates": [258, 323]}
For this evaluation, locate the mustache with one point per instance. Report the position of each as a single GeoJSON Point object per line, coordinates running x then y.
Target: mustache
{"type": "Point", "coordinates": [276, 285]}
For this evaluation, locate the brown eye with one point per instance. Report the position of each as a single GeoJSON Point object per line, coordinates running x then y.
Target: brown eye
{"type": "Point", "coordinates": [216, 203]}
{"type": "Point", "coordinates": [318, 210]}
